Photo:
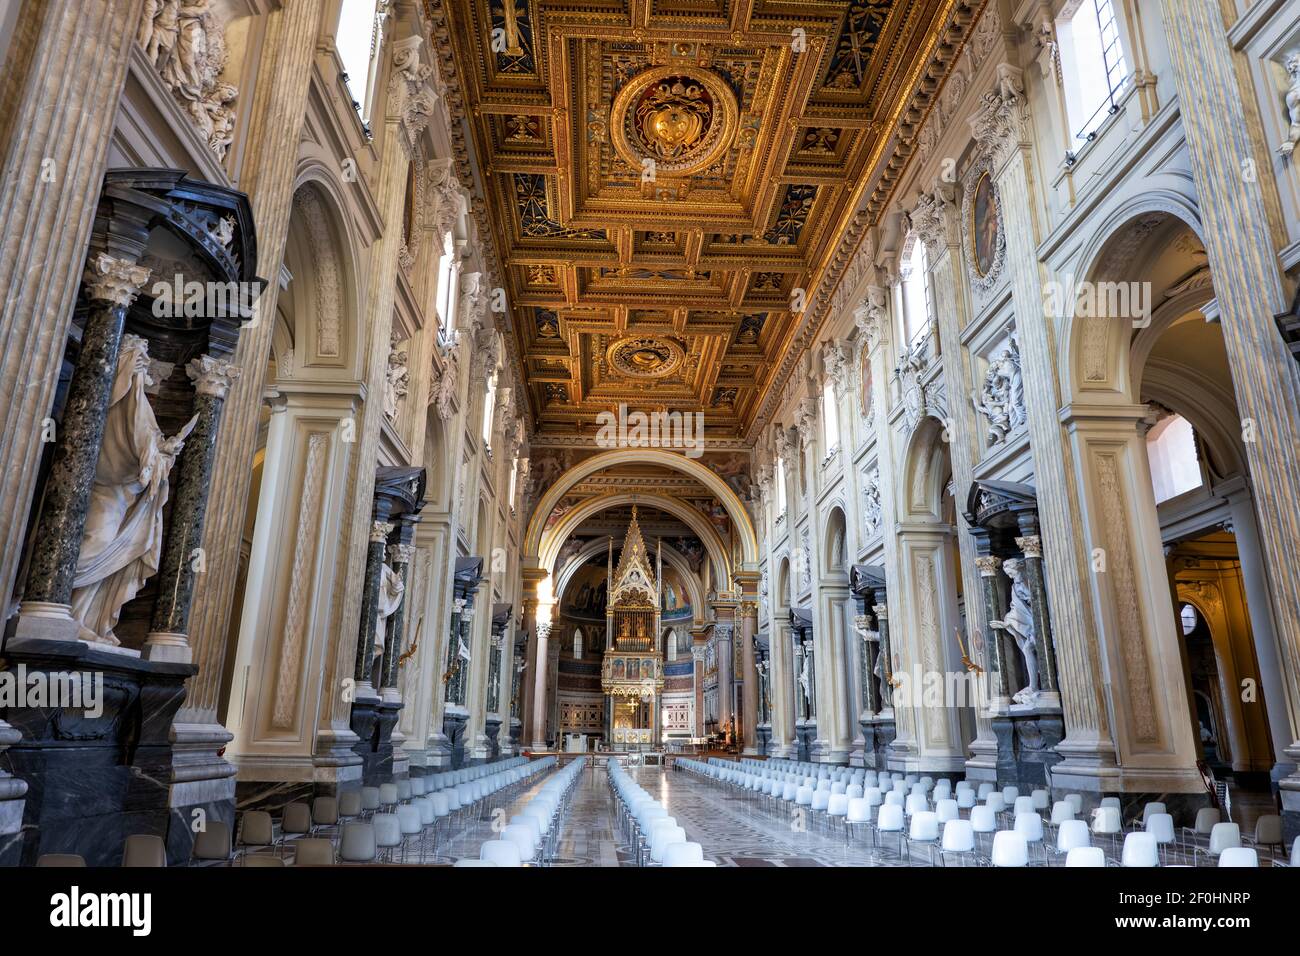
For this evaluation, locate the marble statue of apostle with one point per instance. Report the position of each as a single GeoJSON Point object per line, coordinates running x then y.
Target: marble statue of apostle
{"type": "Point", "coordinates": [122, 542]}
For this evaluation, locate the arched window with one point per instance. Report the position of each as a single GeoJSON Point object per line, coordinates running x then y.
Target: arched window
{"type": "Point", "coordinates": [1093, 66]}
{"type": "Point", "coordinates": [1188, 616]}
{"type": "Point", "coordinates": [359, 39]}
{"type": "Point", "coordinates": [912, 302]}
{"type": "Point", "coordinates": [672, 645]}
{"type": "Point", "coordinates": [1175, 465]}
{"type": "Point", "coordinates": [577, 643]}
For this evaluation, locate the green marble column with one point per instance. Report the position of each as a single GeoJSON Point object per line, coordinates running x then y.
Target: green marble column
{"type": "Point", "coordinates": [1032, 547]}
{"type": "Point", "coordinates": [886, 689]}
{"type": "Point", "coordinates": [989, 565]}
{"type": "Point", "coordinates": [395, 638]}
{"type": "Point", "coordinates": [182, 557]}
{"type": "Point", "coordinates": [379, 532]}
{"type": "Point", "coordinates": [111, 285]}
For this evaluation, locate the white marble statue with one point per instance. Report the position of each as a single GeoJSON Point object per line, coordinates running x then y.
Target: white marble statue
{"type": "Point", "coordinates": [805, 677]}
{"type": "Point", "coordinates": [122, 542]}
{"type": "Point", "coordinates": [391, 590]}
{"type": "Point", "coordinates": [1292, 104]}
{"type": "Point", "coordinates": [1019, 623]}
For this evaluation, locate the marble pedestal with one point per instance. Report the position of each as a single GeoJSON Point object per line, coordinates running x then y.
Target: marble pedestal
{"type": "Point", "coordinates": [763, 741]}
{"type": "Point", "coordinates": [1027, 747]}
{"type": "Point", "coordinates": [805, 738]}
{"type": "Point", "coordinates": [373, 721]}
{"type": "Point", "coordinates": [492, 730]}
{"type": "Point", "coordinates": [453, 728]}
{"type": "Point", "coordinates": [877, 734]}
{"type": "Point", "coordinates": [93, 777]}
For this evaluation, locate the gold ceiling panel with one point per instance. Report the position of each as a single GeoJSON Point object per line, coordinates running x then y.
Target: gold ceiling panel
{"type": "Point", "coordinates": [663, 176]}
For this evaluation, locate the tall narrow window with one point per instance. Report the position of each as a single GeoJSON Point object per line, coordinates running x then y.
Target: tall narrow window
{"type": "Point", "coordinates": [780, 487]}
{"type": "Point", "coordinates": [514, 480]}
{"type": "Point", "coordinates": [489, 409]}
{"type": "Point", "coordinates": [577, 644]}
{"type": "Point", "coordinates": [1093, 66]}
{"type": "Point", "coordinates": [830, 417]}
{"type": "Point", "coordinates": [361, 31]}
{"type": "Point", "coordinates": [446, 289]}
{"type": "Point", "coordinates": [913, 296]}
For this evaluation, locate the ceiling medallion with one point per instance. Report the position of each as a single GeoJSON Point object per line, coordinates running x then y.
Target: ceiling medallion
{"type": "Point", "coordinates": [679, 117]}
{"type": "Point", "coordinates": [645, 357]}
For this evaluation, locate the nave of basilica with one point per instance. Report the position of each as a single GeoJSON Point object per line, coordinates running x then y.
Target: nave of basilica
{"type": "Point", "coordinates": [704, 433]}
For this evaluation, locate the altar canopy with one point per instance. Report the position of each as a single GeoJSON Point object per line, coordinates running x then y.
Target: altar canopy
{"type": "Point", "coordinates": [632, 675]}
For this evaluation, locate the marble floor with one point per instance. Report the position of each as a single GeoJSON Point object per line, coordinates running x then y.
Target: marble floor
{"type": "Point", "coordinates": [734, 830]}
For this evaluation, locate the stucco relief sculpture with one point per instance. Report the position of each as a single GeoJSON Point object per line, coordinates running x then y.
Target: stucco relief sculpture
{"type": "Point", "coordinates": [1019, 623]}
{"type": "Point", "coordinates": [1292, 104]}
{"type": "Point", "coordinates": [397, 381]}
{"type": "Point", "coordinates": [1002, 396]}
{"type": "Point", "coordinates": [122, 543]}
{"type": "Point", "coordinates": [186, 43]}
{"type": "Point", "coordinates": [871, 507]}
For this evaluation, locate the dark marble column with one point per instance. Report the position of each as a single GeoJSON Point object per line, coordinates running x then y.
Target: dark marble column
{"type": "Point", "coordinates": [379, 532]}
{"type": "Point", "coordinates": [812, 678]}
{"type": "Point", "coordinates": [1032, 547]}
{"type": "Point", "coordinates": [886, 688]}
{"type": "Point", "coordinates": [494, 674]}
{"type": "Point", "coordinates": [800, 696]}
{"type": "Point", "coordinates": [453, 648]}
{"type": "Point", "coordinates": [111, 285]}
{"type": "Point", "coordinates": [867, 664]}
{"type": "Point", "coordinates": [460, 665]}
{"type": "Point", "coordinates": [395, 638]}
{"type": "Point", "coordinates": [182, 557]}
{"type": "Point", "coordinates": [989, 566]}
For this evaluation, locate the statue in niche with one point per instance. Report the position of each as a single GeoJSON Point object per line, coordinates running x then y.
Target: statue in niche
{"type": "Point", "coordinates": [391, 589]}
{"type": "Point", "coordinates": [122, 543]}
{"type": "Point", "coordinates": [1002, 396]}
{"type": "Point", "coordinates": [805, 678]}
{"type": "Point", "coordinates": [1019, 623]}
{"type": "Point", "coordinates": [1292, 65]}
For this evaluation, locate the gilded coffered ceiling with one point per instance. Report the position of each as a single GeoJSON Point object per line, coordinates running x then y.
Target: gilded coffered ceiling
{"type": "Point", "coordinates": [666, 178]}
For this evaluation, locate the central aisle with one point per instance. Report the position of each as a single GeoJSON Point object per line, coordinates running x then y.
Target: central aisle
{"type": "Point", "coordinates": [731, 829]}
{"type": "Point", "coordinates": [734, 832]}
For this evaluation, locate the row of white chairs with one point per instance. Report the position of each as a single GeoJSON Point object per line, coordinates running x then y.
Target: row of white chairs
{"type": "Point", "coordinates": [645, 823]}
{"type": "Point", "coordinates": [904, 810]}
{"type": "Point", "coordinates": [411, 827]}
{"type": "Point", "coordinates": [532, 834]}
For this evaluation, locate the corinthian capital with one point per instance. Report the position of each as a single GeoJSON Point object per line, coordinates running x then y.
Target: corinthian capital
{"type": "Point", "coordinates": [212, 376]}
{"type": "Point", "coordinates": [115, 281]}
{"type": "Point", "coordinates": [1000, 123]}
{"type": "Point", "coordinates": [871, 316]}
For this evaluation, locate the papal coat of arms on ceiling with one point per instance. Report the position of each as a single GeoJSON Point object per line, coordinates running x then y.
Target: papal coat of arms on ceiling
{"type": "Point", "coordinates": [680, 119]}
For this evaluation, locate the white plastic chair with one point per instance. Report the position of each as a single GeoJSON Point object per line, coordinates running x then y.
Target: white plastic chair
{"type": "Point", "coordinates": [1009, 849]}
